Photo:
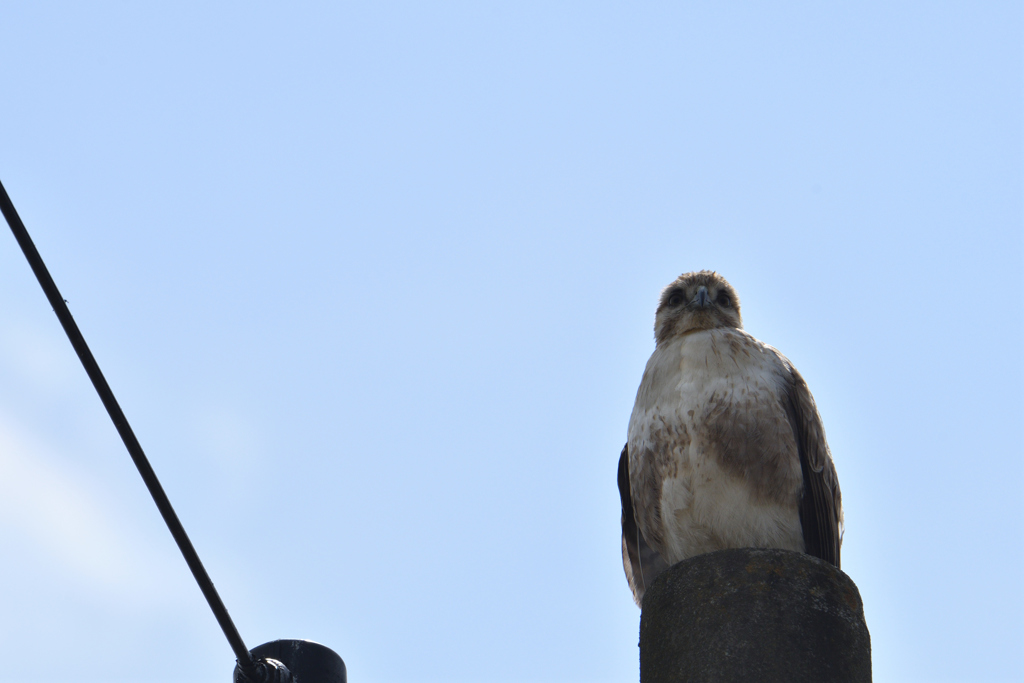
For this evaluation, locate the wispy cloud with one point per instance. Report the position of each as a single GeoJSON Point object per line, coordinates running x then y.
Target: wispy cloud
{"type": "Point", "coordinates": [48, 505]}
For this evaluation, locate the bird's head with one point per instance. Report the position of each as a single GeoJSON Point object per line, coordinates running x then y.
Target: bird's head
{"type": "Point", "coordinates": [696, 301]}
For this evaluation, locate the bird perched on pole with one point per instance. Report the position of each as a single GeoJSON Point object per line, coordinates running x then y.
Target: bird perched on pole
{"type": "Point", "coordinates": [725, 446]}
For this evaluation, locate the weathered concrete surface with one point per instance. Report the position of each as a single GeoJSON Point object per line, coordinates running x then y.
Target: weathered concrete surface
{"type": "Point", "coordinates": [761, 616]}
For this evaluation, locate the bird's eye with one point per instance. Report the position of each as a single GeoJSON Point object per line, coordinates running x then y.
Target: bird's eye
{"type": "Point", "coordinates": [723, 299]}
{"type": "Point", "coordinates": [676, 298]}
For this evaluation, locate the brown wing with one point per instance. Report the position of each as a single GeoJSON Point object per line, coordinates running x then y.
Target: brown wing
{"type": "Point", "coordinates": [641, 562]}
{"type": "Point", "coordinates": [821, 510]}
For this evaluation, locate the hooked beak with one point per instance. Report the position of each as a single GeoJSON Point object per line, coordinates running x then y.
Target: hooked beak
{"type": "Point", "coordinates": [702, 299]}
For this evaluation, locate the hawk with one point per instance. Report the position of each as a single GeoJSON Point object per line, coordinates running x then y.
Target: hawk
{"type": "Point", "coordinates": [725, 446]}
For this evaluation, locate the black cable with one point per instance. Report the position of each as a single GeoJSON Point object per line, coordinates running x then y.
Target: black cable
{"type": "Point", "coordinates": [245, 659]}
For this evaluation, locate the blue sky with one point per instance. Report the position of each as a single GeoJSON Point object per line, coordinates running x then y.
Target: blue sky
{"type": "Point", "coordinates": [375, 286]}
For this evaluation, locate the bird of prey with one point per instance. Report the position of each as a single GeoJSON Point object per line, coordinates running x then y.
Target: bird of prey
{"type": "Point", "coordinates": [725, 446]}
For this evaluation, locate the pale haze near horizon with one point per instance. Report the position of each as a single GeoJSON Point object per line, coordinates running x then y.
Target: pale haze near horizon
{"type": "Point", "coordinates": [375, 287]}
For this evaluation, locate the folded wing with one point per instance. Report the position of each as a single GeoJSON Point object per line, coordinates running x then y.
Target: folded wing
{"type": "Point", "coordinates": [821, 511]}
{"type": "Point", "coordinates": [641, 562]}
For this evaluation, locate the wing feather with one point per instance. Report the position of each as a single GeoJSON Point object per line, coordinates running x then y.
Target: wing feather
{"type": "Point", "coordinates": [641, 562]}
{"type": "Point", "coordinates": [821, 510]}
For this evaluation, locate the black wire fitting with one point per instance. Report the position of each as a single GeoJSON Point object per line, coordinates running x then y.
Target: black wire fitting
{"type": "Point", "coordinates": [267, 670]}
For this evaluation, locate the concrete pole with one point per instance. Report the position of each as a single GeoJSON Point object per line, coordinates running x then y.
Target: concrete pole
{"type": "Point", "coordinates": [764, 616]}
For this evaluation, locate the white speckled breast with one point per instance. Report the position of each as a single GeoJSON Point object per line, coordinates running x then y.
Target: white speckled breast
{"type": "Point", "coordinates": [712, 457]}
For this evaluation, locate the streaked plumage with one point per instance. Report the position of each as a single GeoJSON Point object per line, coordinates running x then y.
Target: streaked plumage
{"type": "Point", "coordinates": [725, 446]}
